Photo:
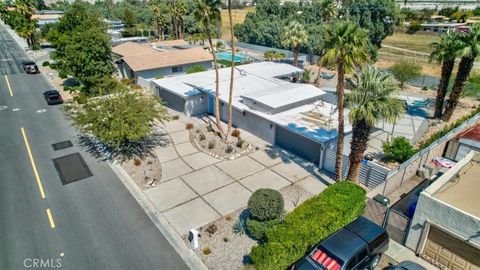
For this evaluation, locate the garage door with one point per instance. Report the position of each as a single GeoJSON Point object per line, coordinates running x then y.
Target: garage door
{"type": "Point", "coordinates": [297, 144]}
{"type": "Point", "coordinates": [171, 100]}
{"type": "Point", "coordinates": [450, 251]}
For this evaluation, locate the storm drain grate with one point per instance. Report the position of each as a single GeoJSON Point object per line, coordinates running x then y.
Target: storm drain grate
{"type": "Point", "coordinates": [62, 145]}
{"type": "Point", "coordinates": [71, 168]}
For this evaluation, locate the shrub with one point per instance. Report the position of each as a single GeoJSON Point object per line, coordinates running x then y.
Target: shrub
{"type": "Point", "coordinates": [136, 86]}
{"type": "Point", "coordinates": [195, 69]}
{"type": "Point", "coordinates": [137, 162]}
{"type": "Point", "coordinates": [202, 137]}
{"type": "Point", "coordinates": [211, 144]}
{"type": "Point", "coordinates": [413, 28]}
{"type": "Point", "coordinates": [189, 126]}
{"type": "Point", "coordinates": [206, 250]}
{"type": "Point", "coordinates": [308, 224]}
{"type": "Point", "coordinates": [159, 77]}
{"type": "Point", "coordinates": [228, 218]}
{"type": "Point", "coordinates": [306, 76]}
{"type": "Point", "coordinates": [175, 117]}
{"type": "Point", "coordinates": [229, 149]}
{"type": "Point", "coordinates": [399, 149]}
{"type": "Point", "coordinates": [239, 227]}
{"type": "Point", "coordinates": [265, 204]}
{"type": "Point", "coordinates": [219, 45]}
{"type": "Point", "coordinates": [126, 81]}
{"type": "Point", "coordinates": [405, 71]}
{"type": "Point", "coordinates": [35, 47]}
{"type": "Point", "coordinates": [46, 64]}
{"type": "Point", "coordinates": [240, 142]}
{"type": "Point", "coordinates": [257, 229]}
{"type": "Point", "coordinates": [225, 239]}
{"type": "Point", "coordinates": [236, 133]}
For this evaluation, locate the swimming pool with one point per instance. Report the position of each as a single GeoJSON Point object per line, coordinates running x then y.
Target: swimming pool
{"type": "Point", "coordinates": [227, 56]}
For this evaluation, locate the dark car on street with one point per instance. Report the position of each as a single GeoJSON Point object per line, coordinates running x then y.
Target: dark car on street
{"type": "Point", "coordinates": [53, 97]}
{"type": "Point", "coordinates": [358, 245]}
{"type": "Point", "coordinates": [30, 67]}
{"type": "Point", "coordinates": [406, 265]}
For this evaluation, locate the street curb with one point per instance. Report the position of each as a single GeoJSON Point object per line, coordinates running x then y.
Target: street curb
{"type": "Point", "coordinates": [189, 256]}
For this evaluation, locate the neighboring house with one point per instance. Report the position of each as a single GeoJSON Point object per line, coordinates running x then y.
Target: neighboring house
{"type": "Point", "coordinates": [265, 103]}
{"type": "Point", "coordinates": [44, 17]}
{"type": "Point", "coordinates": [143, 62]}
{"type": "Point", "coordinates": [465, 142]}
{"type": "Point", "coordinates": [445, 228]}
{"type": "Point", "coordinates": [441, 27]}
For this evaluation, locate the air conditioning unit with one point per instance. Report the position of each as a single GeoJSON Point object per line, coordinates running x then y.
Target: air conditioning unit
{"type": "Point", "coordinates": [423, 173]}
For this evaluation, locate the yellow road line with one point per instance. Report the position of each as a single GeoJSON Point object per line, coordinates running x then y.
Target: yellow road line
{"type": "Point", "coordinates": [9, 87]}
{"type": "Point", "coordinates": [50, 218]}
{"type": "Point", "coordinates": [34, 167]}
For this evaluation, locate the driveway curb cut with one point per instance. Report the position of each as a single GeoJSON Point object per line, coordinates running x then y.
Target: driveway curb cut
{"type": "Point", "coordinates": [189, 257]}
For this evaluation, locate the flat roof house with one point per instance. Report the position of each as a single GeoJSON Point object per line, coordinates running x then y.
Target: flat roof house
{"type": "Point", "coordinates": [441, 27]}
{"type": "Point", "coordinates": [465, 142]}
{"type": "Point", "coordinates": [445, 228]}
{"type": "Point", "coordinates": [44, 17]}
{"type": "Point", "coordinates": [265, 103]}
{"type": "Point", "coordinates": [143, 62]}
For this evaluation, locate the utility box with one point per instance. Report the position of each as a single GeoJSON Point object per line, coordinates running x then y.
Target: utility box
{"type": "Point", "coordinates": [193, 236]}
{"type": "Point", "coordinates": [382, 199]}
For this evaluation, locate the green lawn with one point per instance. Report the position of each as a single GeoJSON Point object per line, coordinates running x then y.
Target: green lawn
{"type": "Point", "coordinates": [415, 42]}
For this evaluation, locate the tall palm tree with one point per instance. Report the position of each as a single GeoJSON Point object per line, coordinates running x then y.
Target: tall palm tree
{"type": "Point", "coordinates": [328, 9]}
{"type": "Point", "coordinates": [469, 51]}
{"type": "Point", "coordinates": [444, 52]}
{"type": "Point", "coordinates": [27, 8]}
{"type": "Point", "coordinates": [371, 100]}
{"type": "Point", "coordinates": [346, 47]}
{"type": "Point", "coordinates": [179, 9]}
{"type": "Point", "coordinates": [232, 69]}
{"type": "Point", "coordinates": [294, 35]}
{"type": "Point", "coordinates": [160, 14]}
{"type": "Point", "coordinates": [207, 14]}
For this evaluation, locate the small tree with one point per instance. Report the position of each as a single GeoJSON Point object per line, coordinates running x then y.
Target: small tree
{"type": "Point", "coordinates": [413, 28]}
{"type": "Point", "coordinates": [195, 69]}
{"type": "Point", "coordinates": [121, 120]}
{"type": "Point", "coordinates": [404, 71]}
{"type": "Point", "coordinates": [399, 149]}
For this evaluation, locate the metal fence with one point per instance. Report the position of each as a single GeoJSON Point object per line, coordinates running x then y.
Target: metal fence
{"type": "Point", "coordinates": [406, 170]}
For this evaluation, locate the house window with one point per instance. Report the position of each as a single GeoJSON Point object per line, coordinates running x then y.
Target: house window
{"type": "Point", "coordinates": [177, 69]}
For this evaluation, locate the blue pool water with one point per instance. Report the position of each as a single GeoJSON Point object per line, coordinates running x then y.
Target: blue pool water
{"type": "Point", "coordinates": [228, 57]}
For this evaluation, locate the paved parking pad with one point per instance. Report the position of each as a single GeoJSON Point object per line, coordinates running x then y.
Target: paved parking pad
{"type": "Point", "coordinates": [190, 215]}
{"type": "Point", "coordinates": [200, 160]}
{"type": "Point", "coordinates": [292, 170]}
{"type": "Point", "coordinates": [264, 179]}
{"type": "Point", "coordinates": [312, 185]}
{"type": "Point", "coordinates": [229, 198]}
{"type": "Point", "coordinates": [241, 167]}
{"type": "Point", "coordinates": [170, 194]}
{"type": "Point", "coordinates": [207, 179]}
{"type": "Point", "coordinates": [269, 157]}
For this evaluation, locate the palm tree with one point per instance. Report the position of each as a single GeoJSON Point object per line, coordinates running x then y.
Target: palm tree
{"type": "Point", "coordinates": [207, 14]}
{"type": "Point", "coordinates": [328, 9]}
{"type": "Point", "coordinates": [294, 35]}
{"type": "Point", "coordinates": [27, 8]}
{"type": "Point", "coordinates": [346, 47]}
{"type": "Point", "coordinates": [469, 51]}
{"type": "Point", "coordinates": [160, 14]}
{"type": "Point", "coordinates": [371, 100]}
{"type": "Point", "coordinates": [444, 52]}
{"type": "Point", "coordinates": [232, 69]}
{"type": "Point", "coordinates": [179, 9]}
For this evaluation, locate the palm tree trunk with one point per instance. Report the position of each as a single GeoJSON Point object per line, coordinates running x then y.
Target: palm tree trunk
{"type": "Point", "coordinates": [217, 81]}
{"type": "Point", "coordinates": [174, 27]}
{"type": "Point", "coordinates": [447, 68]}
{"type": "Point", "coordinates": [340, 104]}
{"type": "Point", "coordinates": [464, 69]}
{"type": "Point", "coordinates": [317, 80]}
{"type": "Point", "coordinates": [232, 69]}
{"type": "Point", "coordinates": [295, 55]}
{"type": "Point", "coordinates": [182, 28]}
{"type": "Point", "coordinates": [360, 135]}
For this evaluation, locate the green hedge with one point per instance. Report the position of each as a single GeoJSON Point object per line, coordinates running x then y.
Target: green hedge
{"type": "Point", "coordinates": [309, 224]}
{"type": "Point", "coordinates": [443, 132]}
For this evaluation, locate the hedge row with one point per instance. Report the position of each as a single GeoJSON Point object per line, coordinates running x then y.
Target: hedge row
{"type": "Point", "coordinates": [308, 224]}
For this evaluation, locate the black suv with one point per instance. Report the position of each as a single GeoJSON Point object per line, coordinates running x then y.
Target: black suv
{"type": "Point", "coordinates": [30, 67]}
{"type": "Point", "coordinates": [358, 245]}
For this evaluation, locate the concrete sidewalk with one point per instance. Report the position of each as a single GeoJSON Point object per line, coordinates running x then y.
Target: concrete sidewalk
{"type": "Point", "coordinates": [401, 253]}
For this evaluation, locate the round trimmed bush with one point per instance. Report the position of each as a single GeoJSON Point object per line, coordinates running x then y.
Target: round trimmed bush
{"type": "Point", "coordinates": [265, 204]}
{"type": "Point", "coordinates": [257, 229]}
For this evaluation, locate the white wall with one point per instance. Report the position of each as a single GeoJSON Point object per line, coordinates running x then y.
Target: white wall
{"type": "Point", "coordinates": [196, 105]}
{"type": "Point", "coordinates": [153, 73]}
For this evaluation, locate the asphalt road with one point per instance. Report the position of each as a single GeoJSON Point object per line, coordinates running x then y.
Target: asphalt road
{"type": "Point", "coordinates": [92, 223]}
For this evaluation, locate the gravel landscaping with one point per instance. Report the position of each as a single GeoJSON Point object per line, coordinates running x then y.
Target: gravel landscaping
{"type": "Point", "coordinates": [229, 250]}
{"type": "Point", "coordinates": [145, 172]}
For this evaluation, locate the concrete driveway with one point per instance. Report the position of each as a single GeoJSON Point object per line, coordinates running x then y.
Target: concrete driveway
{"type": "Point", "coordinates": [196, 189]}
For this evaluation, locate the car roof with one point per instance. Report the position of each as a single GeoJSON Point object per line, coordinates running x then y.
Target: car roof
{"type": "Point", "coordinates": [344, 244]}
{"type": "Point", "coordinates": [28, 62]}
{"type": "Point", "coordinates": [51, 92]}
{"type": "Point", "coordinates": [365, 228]}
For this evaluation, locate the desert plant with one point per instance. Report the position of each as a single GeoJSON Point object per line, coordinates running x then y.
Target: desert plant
{"type": "Point", "coordinates": [195, 69]}
{"type": "Point", "coordinates": [206, 250]}
{"type": "Point", "coordinates": [175, 117]}
{"type": "Point", "coordinates": [236, 133]}
{"type": "Point", "coordinates": [229, 149]}
{"type": "Point", "coordinates": [413, 28]}
{"type": "Point", "coordinates": [239, 227]}
{"type": "Point", "coordinates": [46, 64]}
{"type": "Point", "coordinates": [240, 142]}
{"type": "Point", "coordinates": [201, 137]}
{"type": "Point", "coordinates": [137, 162]}
{"type": "Point", "coordinates": [159, 77]}
{"type": "Point", "coordinates": [211, 229]}
{"type": "Point", "coordinates": [257, 229]}
{"type": "Point", "coordinates": [225, 239]}
{"type": "Point", "coordinates": [211, 144]}
{"type": "Point", "coordinates": [306, 76]}
{"type": "Point", "coordinates": [228, 218]}
{"type": "Point", "coordinates": [265, 204]}
{"type": "Point", "coordinates": [399, 149]}
{"type": "Point", "coordinates": [189, 126]}
{"type": "Point", "coordinates": [126, 81]}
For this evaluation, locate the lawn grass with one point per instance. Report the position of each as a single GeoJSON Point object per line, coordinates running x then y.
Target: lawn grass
{"type": "Point", "coordinates": [416, 42]}
{"type": "Point", "coordinates": [238, 16]}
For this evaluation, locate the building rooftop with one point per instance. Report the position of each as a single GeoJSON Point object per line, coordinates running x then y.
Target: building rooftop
{"type": "Point", "coordinates": [463, 188]}
{"type": "Point", "coordinates": [159, 59]}
{"type": "Point", "coordinates": [132, 49]}
{"type": "Point", "coordinates": [472, 133]}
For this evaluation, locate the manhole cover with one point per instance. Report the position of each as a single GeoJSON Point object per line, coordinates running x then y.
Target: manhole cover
{"type": "Point", "coordinates": [71, 168]}
{"type": "Point", "coordinates": [62, 145]}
